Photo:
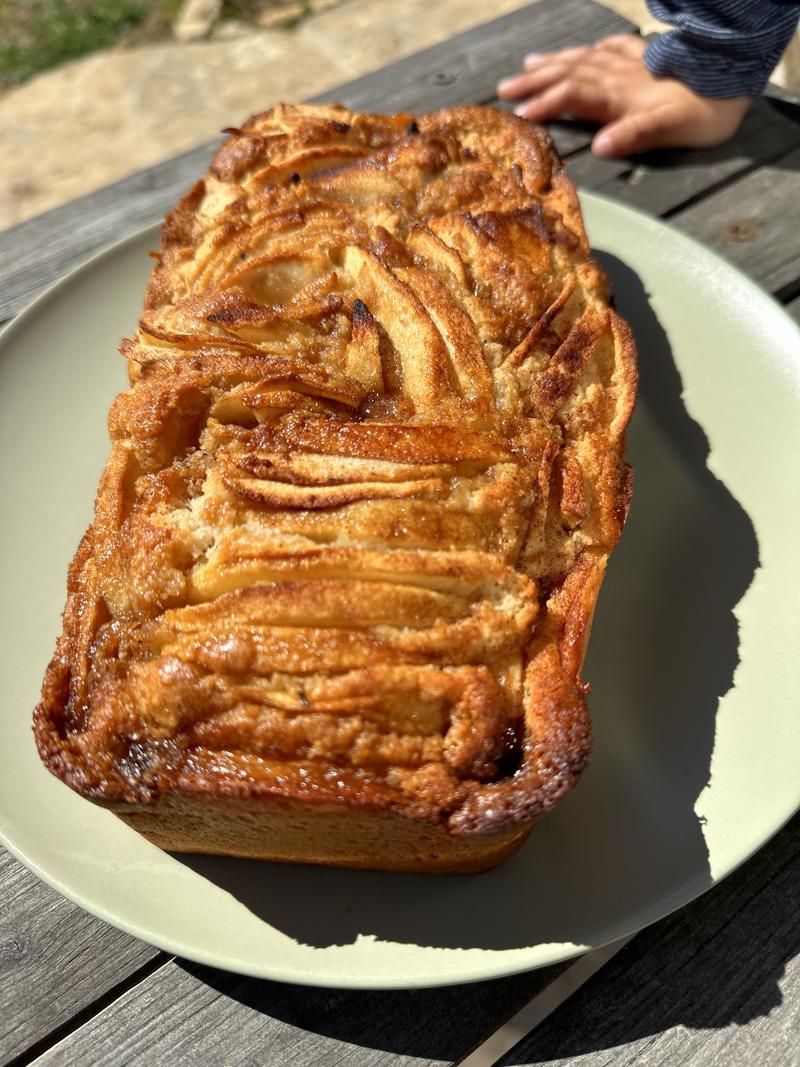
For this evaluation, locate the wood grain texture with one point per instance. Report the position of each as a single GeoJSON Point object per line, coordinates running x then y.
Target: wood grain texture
{"type": "Point", "coordinates": [187, 1014]}
{"type": "Point", "coordinates": [716, 983]}
{"type": "Point", "coordinates": [36, 253]}
{"type": "Point", "coordinates": [463, 69]}
{"type": "Point", "coordinates": [718, 968]}
{"type": "Point", "coordinates": [466, 68]}
{"type": "Point", "coordinates": [663, 182]}
{"type": "Point", "coordinates": [755, 223]}
{"type": "Point", "coordinates": [55, 960]}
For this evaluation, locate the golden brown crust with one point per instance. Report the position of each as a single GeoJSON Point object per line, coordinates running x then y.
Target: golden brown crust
{"type": "Point", "coordinates": [359, 504]}
{"type": "Point", "coordinates": [351, 836]}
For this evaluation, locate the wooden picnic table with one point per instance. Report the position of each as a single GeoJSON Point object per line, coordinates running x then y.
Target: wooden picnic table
{"type": "Point", "coordinates": [717, 982]}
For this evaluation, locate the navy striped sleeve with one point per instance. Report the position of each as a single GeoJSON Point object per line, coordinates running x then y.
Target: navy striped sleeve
{"type": "Point", "coordinates": [721, 48]}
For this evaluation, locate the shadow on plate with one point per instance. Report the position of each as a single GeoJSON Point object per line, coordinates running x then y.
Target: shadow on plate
{"type": "Point", "coordinates": [686, 971]}
{"type": "Point", "coordinates": [719, 962]}
{"type": "Point", "coordinates": [626, 845]}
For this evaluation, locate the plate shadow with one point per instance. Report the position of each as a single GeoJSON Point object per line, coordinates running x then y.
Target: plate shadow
{"type": "Point", "coordinates": [626, 846]}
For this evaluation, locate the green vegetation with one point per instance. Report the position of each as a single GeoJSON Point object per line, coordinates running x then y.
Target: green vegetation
{"type": "Point", "coordinates": [38, 34]}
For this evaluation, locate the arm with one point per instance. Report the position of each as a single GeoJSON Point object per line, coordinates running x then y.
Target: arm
{"type": "Point", "coordinates": [688, 89]}
{"type": "Point", "coordinates": [721, 48]}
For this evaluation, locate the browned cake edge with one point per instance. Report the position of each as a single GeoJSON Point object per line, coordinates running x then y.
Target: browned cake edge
{"type": "Point", "coordinates": [285, 830]}
{"type": "Point", "coordinates": [212, 816]}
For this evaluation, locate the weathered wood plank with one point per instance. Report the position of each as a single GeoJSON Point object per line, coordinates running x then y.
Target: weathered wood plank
{"type": "Point", "coordinates": [466, 68]}
{"type": "Point", "coordinates": [755, 223]}
{"type": "Point", "coordinates": [185, 1013]}
{"type": "Point", "coordinates": [717, 983]}
{"type": "Point", "coordinates": [35, 253]}
{"type": "Point", "coordinates": [722, 964]}
{"type": "Point", "coordinates": [463, 69]}
{"type": "Point", "coordinates": [661, 182]}
{"type": "Point", "coordinates": [264, 1022]}
{"type": "Point", "coordinates": [55, 960]}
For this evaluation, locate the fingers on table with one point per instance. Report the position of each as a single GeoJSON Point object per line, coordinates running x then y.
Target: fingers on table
{"type": "Point", "coordinates": [542, 69]}
{"type": "Point", "coordinates": [637, 133]}
{"type": "Point", "coordinates": [541, 77]}
{"type": "Point", "coordinates": [579, 82]}
{"type": "Point", "coordinates": [569, 96]}
{"type": "Point", "coordinates": [584, 66]}
{"type": "Point", "coordinates": [566, 55]}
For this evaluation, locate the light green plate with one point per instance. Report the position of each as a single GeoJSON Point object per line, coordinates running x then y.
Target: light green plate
{"type": "Point", "coordinates": [693, 661]}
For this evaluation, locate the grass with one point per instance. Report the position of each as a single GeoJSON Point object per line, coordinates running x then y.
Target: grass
{"type": "Point", "coordinates": [36, 35]}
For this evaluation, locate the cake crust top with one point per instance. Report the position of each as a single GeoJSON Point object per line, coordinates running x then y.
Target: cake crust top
{"type": "Point", "coordinates": [363, 487]}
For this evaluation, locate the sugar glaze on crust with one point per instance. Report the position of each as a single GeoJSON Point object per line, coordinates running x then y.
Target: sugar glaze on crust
{"type": "Point", "coordinates": [360, 500]}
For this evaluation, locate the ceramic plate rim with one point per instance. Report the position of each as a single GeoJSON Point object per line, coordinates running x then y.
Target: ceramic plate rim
{"type": "Point", "coordinates": [541, 955]}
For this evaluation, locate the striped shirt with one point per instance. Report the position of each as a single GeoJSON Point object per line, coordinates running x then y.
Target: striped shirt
{"type": "Point", "coordinates": [721, 48]}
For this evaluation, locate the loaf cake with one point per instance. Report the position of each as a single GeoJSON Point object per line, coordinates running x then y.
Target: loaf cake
{"type": "Point", "coordinates": [362, 491]}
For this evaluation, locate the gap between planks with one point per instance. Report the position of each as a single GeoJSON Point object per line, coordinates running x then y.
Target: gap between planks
{"type": "Point", "coordinates": [145, 972]}
{"type": "Point", "coordinates": [542, 1005]}
{"type": "Point", "coordinates": [90, 1011]}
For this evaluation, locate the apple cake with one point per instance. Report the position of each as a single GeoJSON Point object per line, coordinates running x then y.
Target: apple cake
{"type": "Point", "coordinates": [335, 600]}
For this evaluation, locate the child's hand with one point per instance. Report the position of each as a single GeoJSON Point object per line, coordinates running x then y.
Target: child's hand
{"type": "Point", "coordinates": [609, 83]}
